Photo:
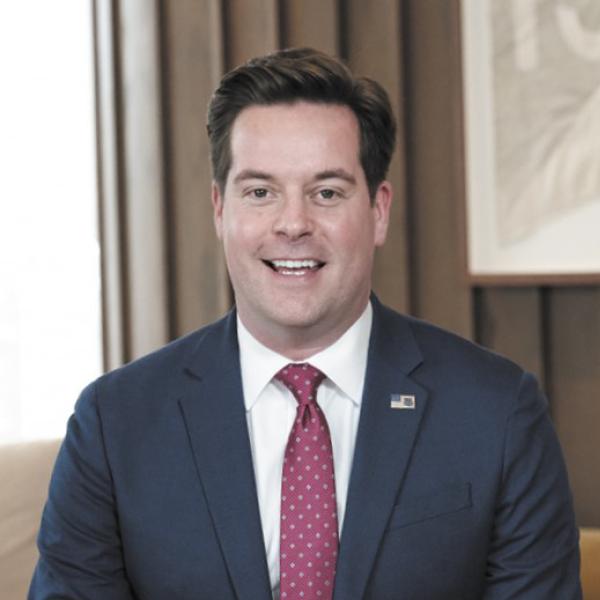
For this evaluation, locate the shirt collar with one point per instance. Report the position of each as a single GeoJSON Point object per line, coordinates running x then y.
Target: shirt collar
{"type": "Point", "coordinates": [344, 362]}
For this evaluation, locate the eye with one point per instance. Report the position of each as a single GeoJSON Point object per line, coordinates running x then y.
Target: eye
{"type": "Point", "coordinates": [327, 194]}
{"type": "Point", "coordinates": [259, 193]}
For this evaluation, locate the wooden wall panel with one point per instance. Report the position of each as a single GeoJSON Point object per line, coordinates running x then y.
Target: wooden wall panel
{"type": "Point", "coordinates": [373, 48]}
{"type": "Point", "coordinates": [434, 165]}
{"type": "Point", "coordinates": [311, 23]}
{"type": "Point", "coordinates": [146, 244]}
{"type": "Point", "coordinates": [109, 184]}
{"type": "Point", "coordinates": [574, 381]}
{"type": "Point", "coordinates": [131, 179]}
{"type": "Point", "coordinates": [510, 321]}
{"type": "Point", "coordinates": [193, 64]}
{"type": "Point", "coordinates": [251, 29]}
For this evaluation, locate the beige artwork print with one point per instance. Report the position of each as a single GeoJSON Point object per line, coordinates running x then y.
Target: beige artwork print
{"type": "Point", "coordinates": [546, 57]}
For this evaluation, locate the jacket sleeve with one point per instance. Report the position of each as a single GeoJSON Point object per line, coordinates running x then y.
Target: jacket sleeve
{"type": "Point", "coordinates": [534, 551]}
{"type": "Point", "coordinates": [81, 555]}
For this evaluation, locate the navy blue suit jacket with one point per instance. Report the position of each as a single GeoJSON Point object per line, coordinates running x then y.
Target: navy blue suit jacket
{"type": "Point", "coordinates": [463, 497]}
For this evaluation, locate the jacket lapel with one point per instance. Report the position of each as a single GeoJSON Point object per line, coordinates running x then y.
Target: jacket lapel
{"type": "Point", "coordinates": [384, 443]}
{"type": "Point", "coordinates": [214, 414]}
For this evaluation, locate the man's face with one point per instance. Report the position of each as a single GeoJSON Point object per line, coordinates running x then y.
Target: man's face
{"type": "Point", "coordinates": [297, 226]}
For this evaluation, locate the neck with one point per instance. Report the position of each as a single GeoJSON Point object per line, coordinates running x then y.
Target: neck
{"type": "Point", "coordinates": [299, 343]}
{"type": "Point", "coordinates": [297, 346]}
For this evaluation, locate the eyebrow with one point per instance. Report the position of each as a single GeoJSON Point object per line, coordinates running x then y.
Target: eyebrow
{"type": "Point", "coordinates": [320, 176]}
{"type": "Point", "coordinates": [252, 174]}
{"type": "Point", "coordinates": [335, 174]}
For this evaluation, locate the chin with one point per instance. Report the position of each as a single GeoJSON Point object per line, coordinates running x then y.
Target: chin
{"type": "Point", "coordinates": [295, 319]}
{"type": "Point", "coordinates": [300, 314]}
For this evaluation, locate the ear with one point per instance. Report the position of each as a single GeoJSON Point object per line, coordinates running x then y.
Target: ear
{"type": "Point", "coordinates": [217, 203]}
{"type": "Point", "coordinates": [381, 211]}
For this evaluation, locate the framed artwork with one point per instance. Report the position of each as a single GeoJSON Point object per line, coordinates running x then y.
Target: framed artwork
{"type": "Point", "coordinates": [531, 111]}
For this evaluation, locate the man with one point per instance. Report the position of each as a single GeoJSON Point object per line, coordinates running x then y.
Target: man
{"type": "Point", "coordinates": [313, 443]}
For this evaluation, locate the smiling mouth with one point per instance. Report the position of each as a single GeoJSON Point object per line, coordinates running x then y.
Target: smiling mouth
{"type": "Point", "coordinates": [294, 267]}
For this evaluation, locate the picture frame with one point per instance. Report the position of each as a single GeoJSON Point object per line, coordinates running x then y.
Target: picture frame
{"type": "Point", "coordinates": [531, 118]}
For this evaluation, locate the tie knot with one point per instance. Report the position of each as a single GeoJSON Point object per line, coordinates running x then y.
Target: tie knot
{"type": "Point", "coordinates": [302, 380]}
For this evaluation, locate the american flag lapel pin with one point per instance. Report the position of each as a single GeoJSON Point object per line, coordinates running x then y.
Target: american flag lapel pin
{"type": "Point", "coordinates": [403, 401]}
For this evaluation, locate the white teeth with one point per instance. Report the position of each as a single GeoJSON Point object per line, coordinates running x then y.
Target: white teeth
{"type": "Point", "coordinates": [295, 264]}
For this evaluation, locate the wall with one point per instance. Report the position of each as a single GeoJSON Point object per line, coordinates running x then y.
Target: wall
{"type": "Point", "coordinates": [157, 63]}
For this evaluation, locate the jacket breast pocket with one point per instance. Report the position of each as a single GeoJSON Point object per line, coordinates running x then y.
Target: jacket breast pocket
{"type": "Point", "coordinates": [443, 501]}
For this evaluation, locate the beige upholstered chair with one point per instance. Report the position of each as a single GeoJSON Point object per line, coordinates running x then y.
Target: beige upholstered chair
{"type": "Point", "coordinates": [24, 475]}
{"type": "Point", "coordinates": [590, 562]}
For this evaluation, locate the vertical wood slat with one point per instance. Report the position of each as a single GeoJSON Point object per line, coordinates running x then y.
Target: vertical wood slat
{"type": "Point", "coordinates": [143, 191]}
{"type": "Point", "coordinates": [312, 23]}
{"type": "Point", "coordinates": [109, 177]}
{"type": "Point", "coordinates": [373, 46]}
{"type": "Point", "coordinates": [574, 377]}
{"type": "Point", "coordinates": [435, 168]}
{"type": "Point", "coordinates": [511, 323]}
{"type": "Point", "coordinates": [252, 29]}
{"type": "Point", "coordinates": [193, 61]}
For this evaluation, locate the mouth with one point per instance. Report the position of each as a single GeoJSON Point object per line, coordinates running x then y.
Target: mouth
{"type": "Point", "coordinates": [297, 268]}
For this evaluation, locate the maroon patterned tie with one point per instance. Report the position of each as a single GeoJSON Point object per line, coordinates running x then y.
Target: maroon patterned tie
{"type": "Point", "coordinates": [309, 526]}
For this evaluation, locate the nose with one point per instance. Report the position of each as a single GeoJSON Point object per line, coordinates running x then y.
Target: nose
{"type": "Point", "coordinates": [293, 219]}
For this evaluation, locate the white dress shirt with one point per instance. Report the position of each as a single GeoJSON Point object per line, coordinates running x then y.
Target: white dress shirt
{"type": "Point", "coordinates": [271, 408]}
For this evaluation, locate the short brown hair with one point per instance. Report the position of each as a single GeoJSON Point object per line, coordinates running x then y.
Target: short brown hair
{"type": "Point", "coordinates": [295, 74]}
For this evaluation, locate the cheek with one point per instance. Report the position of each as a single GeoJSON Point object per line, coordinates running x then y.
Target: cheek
{"type": "Point", "coordinates": [242, 234]}
{"type": "Point", "coordinates": [359, 234]}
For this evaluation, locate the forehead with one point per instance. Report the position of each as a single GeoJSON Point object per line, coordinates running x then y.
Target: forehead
{"type": "Point", "coordinates": [301, 135]}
